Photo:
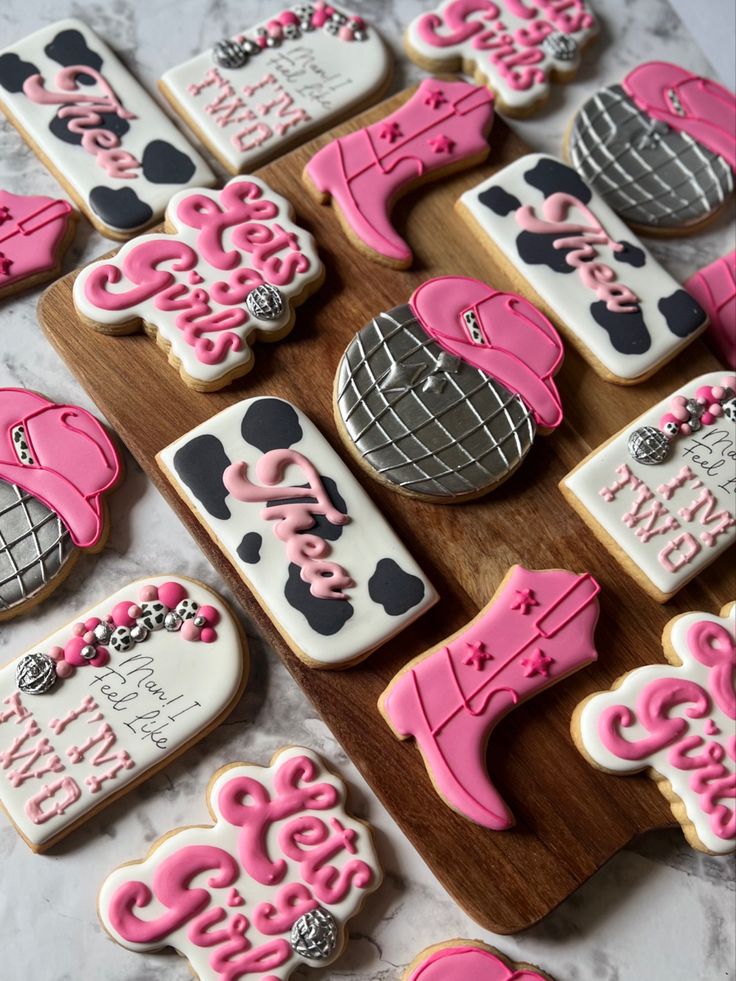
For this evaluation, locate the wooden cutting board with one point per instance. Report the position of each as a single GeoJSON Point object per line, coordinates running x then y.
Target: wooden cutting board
{"type": "Point", "coordinates": [570, 818]}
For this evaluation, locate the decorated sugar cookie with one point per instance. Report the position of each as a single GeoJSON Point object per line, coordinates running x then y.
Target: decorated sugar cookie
{"type": "Point", "coordinates": [35, 232]}
{"type": "Point", "coordinates": [278, 876]}
{"type": "Point", "coordinates": [442, 127]}
{"type": "Point", "coordinates": [604, 291]}
{"type": "Point", "coordinates": [57, 463]}
{"type": "Point", "coordinates": [111, 697]}
{"type": "Point", "coordinates": [468, 960]}
{"type": "Point", "coordinates": [660, 148]}
{"type": "Point", "coordinates": [230, 270]}
{"type": "Point", "coordinates": [537, 629]}
{"type": "Point", "coordinates": [661, 494]}
{"type": "Point", "coordinates": [299, 529]}
{"type": "Point", "coordinates": [101, 134]}
{"type": "Point", "coordinates": [514, 47]}
{"type": "Point", "coordinates": [252, 96]}
{"type": "Point", "coordinates": [677, 722]}
{"type": "Point", "coordinates": [442, 397]}
{"type": "Point", "coordinates": [714, 287]}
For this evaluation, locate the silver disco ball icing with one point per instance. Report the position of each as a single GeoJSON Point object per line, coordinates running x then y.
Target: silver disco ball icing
{"type": "Point", "coordinates": [423, 419]}
{"type": "Point", "coordinates": [35, 674]}
{"type": "Point", "coordinates": [229, 54]}
{"type": "Point", "coordinates": [561, 47]}
{"type": "Point", "coordinates": [265, 302]}
{"type": "Point", "coordinates": [648, 445]}
{"type": "Point", "coordinates": [315, 935]}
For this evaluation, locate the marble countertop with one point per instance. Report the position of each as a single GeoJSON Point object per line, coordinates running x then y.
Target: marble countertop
{"type": "Point", "coordinates": [658, 910]}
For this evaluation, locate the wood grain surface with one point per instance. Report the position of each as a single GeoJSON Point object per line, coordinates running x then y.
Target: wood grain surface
{"type": "Point", "coordinates": [570, 818]}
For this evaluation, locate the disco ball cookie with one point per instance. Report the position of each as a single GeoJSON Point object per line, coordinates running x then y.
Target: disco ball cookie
{"type": "Point", "coordinates": [252, 96]}
{"type": "Point", "coordinates": [57, 463]}
{"type": "Point", "coordinates": [661, 493]}
{"type": "Point", "coordinates": [279, 875]}
{"type": "Point", "coordinates": [660, 148]}
{"type": "Point", "coordinates": [676, 722]}
{"type": "Point", "coordinates": [35, 232]}
{"type": "Point", "coordinates": [514, 48]}
{"type": "Point", "coordinates": [441, 398]}
{"type": "Point", "coordinates": [110, 698]}
{"type": "Point", "coordinates": [229, 270]}
{"type": "Point", "coordinates": [468, 960]}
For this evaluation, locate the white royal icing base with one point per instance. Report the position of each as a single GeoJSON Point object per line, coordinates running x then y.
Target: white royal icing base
{"type": "Point", "coordinates": [318, 75]}
{"type": "Point", "coordinates": [713, 444]}
{"type": "Point", "coordinates": [187, 672]}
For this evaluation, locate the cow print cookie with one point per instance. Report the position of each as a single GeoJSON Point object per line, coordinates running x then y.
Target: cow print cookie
{"type": "Point", "coordinates": [299, 529]}
{"type": "Point", "coordinates": [104, 702]}
{"type": "Point", "coordinates": [514, 48]}
{"type": "Point", "coordinates": [252, 96]}
{"type": "Point", "coordinates": [661, 494]}
{"type": "Point", "coordinates": [441, 398]}
{"type": "Point", "coordinates": [35, 232]}
{"type": "Point", "coordinates": [468, 960]}
{"type": "Point", "coordinates": [660, 148]}
{"type": "Point", "coordinates": [603, 289]}
{"type": "Point", "coordinates": [98, 130]}
{"type": "Point", "coordinates": [229, 271]}
{"type": "Point", "coordinates": [279, 874]}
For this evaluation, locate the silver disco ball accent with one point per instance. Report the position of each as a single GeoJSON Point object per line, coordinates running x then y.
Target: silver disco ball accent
{"type": "Point", "coordinates": [139, 633]}
{"type": "Point", "coordinates": [649, 446]}
{"type": "Point", "coordinates": [229, 54]}
{"type": "Point", "coordinates": [35, 674]}
{"type": "Point", "coordinates": [265, 302]}
{"type": "Point", "coordinates": [88, 652]}
{"type": "Point", "coordinates": [315, 935]}
{"type": "Point", "coordinates": [560, 46]}
{"type": "Point", "coordinates": [103, 632]}
{"type": "Point", "coordinates": [172, 621]}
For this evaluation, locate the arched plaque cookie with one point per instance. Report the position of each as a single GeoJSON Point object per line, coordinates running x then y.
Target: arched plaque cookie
{"type": "Point", "coordinates": [441, 398]}
{"type": "Point", "coordinates": [604, 291]}
{"type": "Point", "coordinates": [107, 699]}
{"type": "Point", "coordinates": [468, 960]}
{"type": "Point", "coordinates": [252, 96]}
{"type": "Point", "coordinates": [279, 875]}
{"type": "Point", "coordinates": [35, 232]}
{"type": "Point", "coordinates": [515, 48]}
{"type": "Point", "coordinates": [661, 494]}
{"type": "Point", "coordinates": [230, 270]}
{"type": "Point", "coordinates": [299, 529]}
{"type": "Point", "coordinates": [676, 722]}
{"type": "Point", "coordinates": [660, 148]}
{"type": "Point", "coordinates": [57, 463]}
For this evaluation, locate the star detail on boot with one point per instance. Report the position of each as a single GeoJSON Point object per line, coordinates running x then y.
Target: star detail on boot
{"type": "Point", "coordinates": [401, 377]}
{"type": "Point", "coordinates": [477, 654]}
{"type": "Point", "coordinates": [442, 144]}
{"type": "Point", "coordinates": [5, 265]}
{"type": "Point", "coordinates": [390, 132]}
{"type": "Point", "coordinates": [435, 98]}
{"type": "Point", "coordinates": [524, 600]}
{"type": "Point", "coordinates": [537, 663]}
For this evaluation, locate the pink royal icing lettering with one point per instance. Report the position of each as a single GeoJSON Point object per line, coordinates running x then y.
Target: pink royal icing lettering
{"type": "Point", "coordinates": [450, 708]}
{"type": "Point", "coordinates": [282, 849]}
{"type": "Point", "coordinates": [462, 960]}
{"type": "Point", "coordinates": [679, 720]}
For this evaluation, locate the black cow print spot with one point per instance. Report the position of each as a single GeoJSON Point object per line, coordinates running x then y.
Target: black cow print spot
{"type": "Point", "coordinates": [121, 208]}
{"type": "Point", "coordinates": [108, 120]}
{"type": "Point", "coordinates": [271, 424]}
{"type": "Point", "coordinates": [538, 249]}
{"type": "Point", "coordinates": [201, 463]}
{"type": "Point", "coordinates": [499, 201]}
{"type": "Point", "coordinates": [324, 616]}
{"type": "Point", "coordinates": [632, 255]}
{"type": "Point", "coordinates": [70, 48]}
{"type": "Point", "coordinates": [164, 164]}
{"type": "Point", "coordinates": [14, 72]}
{"type": "Point", "coordinates": [396, 591]}
{"type": "Point", "coordinates": [550, 176]}
{"type": "Point", "coordinates": [249, 549]}
{"type": "Point", "coordinates": [627, 331]}
{"type": "Point", "coordinates": [321, 527]}
{"type": "Point", "coordinates": [682, 313]}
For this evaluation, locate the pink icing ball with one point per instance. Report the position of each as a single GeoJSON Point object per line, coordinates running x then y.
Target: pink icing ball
{"type": "Point", "coordinates": [64, 669]}
{"type": "Point", "coordinates": [274, 28]}
{"type": "Point", "coordinates": [345, 33]}
{"type": "Point", "coordinates": [261, 40]}
{"type": "Point", "coordinates": [288, 17]}
{"type": "Point", "coordinates": [678, 408]}
{"type": "Point", "coordinates": [358, 23]}
{"type": "Point", "coordinates": [92, 622]}
{"type": "Point", "coordinates": [171, 594]}
{"type": "Point", "coordinates": [78, 629]}
{"type": "Point", "coordinates": [121, 616]}
{"type": "Point", "coordinates": [134, 611]}
{"type": "Point", "coordinates": [208, 635]}
{"type": "Point", "coordinates": [319, 18]}
{"type": "Point", "coordinates": [89, 637]}
{"type": "Point", "coordinates": [148, 594]}
{"type": "Point", "coordinates": [56, 653]}
{"type": "Point", "coordinates": [189, 631]}
{"type": "Point", "coordinates": [211, 615]}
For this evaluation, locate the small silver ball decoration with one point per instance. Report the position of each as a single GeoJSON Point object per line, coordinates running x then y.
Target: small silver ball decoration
{"type": "Point", "coordinates": [315, 935]}
{"type": "Point", "coordinates": [102, 632]}
{"type": "Point", "coordinates": [649, 446]}
{"type": "Point", "coordinates": [121, 641]}
{"type": "Point", "coordinates": [265, 302]}
{"type": "Point", "coordinates": [153, 614]}
{"type": "Point", "coordinates": [35, 674]}
{"type": "Point", "coordinates": [88, 652]}
{"type": "Point", "coordinates": [139, 633]}
{"type": "Point", "coordinates": [187, 609]}
{"type": "Point", "coordinates": [200, 621]}
{"type": "Point", "coordinates": [560, 46]}
{"type": "Point", "coordinates": [229, 54]}
{"type": "Point", "coordinates": [172, 621]}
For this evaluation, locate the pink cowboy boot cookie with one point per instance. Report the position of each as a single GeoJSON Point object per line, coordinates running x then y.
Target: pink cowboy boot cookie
{"type": "Point", "coordinates": [714, 287]}
{"type": "Point", "coordinates": [35, 232]}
